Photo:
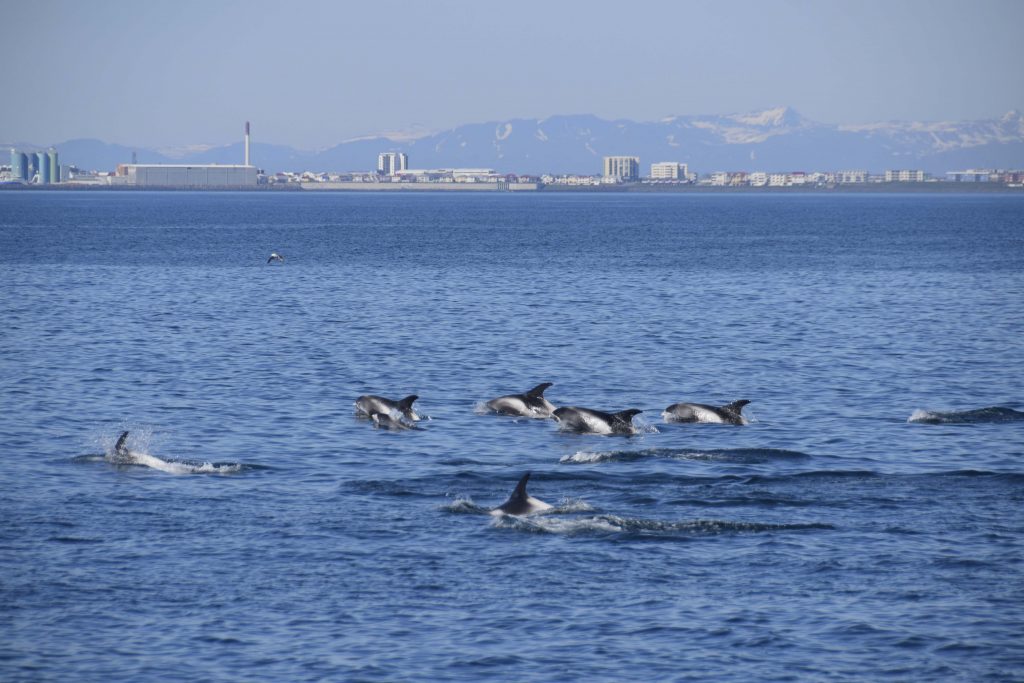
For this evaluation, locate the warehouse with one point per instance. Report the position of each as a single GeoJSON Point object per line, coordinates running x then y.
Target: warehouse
{"type": "Point", "coordinates": [190, 176]}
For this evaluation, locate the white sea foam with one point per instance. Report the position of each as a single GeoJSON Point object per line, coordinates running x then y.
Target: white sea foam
{"type": "Point", "coordinates": [612, 524]}
{"type": "Point", "coordinates": [174, 466]}
{"type": "Point", "coordinates": [464, 505]}
{"type": "Point", "coordinates": [571, 505]}
{"type": "Point", "coordinates": [644, 427]}
{"type": "Point", "coordinates": [555, 525]}
{"type": "Point", "coordinates": [586, 457]}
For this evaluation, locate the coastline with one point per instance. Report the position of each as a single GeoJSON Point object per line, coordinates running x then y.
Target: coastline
{"type": "Point", "coordinates": [642, 188]}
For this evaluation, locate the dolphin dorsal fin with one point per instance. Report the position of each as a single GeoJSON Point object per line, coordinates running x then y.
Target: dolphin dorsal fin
{"type": "Point", "coordinates": [520, 491]}
{"type": "Point", "coordinates": [119, 447]}
{"type": "Point", "coordinates": [538, 391]}
{"type": "Point", "coordinates": [737, 406]}
{"type": "Point", "coordinates": [406, 403]}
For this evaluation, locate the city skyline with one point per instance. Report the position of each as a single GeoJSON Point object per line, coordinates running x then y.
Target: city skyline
{"type": "Point", "coordinates": [166, 75]}
{"type": "Point", "coordinates": [779, 139]}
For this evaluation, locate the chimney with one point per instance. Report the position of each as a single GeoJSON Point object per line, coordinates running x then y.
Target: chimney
{"type": "Point", "coordinates": [246, 143]}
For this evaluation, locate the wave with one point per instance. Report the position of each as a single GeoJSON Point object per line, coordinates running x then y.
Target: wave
{"type": "Point", "coordinates": [635, 527]}
{"type": "Point", "coordinates": [464, 505]}
{"type": "Point", "coordinates": [976, 416]}
{"type": "Point", "coordinates": [746, 456]}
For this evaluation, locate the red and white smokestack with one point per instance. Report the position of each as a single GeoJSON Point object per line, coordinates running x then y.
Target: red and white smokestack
{"type": "Point", "coordinates": [246, 143]}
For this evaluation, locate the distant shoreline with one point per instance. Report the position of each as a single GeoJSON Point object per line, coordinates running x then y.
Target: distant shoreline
{"type": "Point", "coordinates": [640, 188]}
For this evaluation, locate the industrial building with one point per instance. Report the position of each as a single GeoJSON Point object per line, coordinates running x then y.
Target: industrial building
{"type": "Point", "coordinates": [192, 176]}
{"type": "Point", "coordinates": [188, 175]}
{"type": "Point", "coordinates": [41, 168]}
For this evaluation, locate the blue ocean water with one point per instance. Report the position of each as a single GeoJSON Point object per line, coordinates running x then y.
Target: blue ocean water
{"type": "Point", "coordinates": [268, 534]}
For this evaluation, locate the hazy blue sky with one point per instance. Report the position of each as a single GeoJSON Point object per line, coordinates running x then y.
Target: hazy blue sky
{"type": "Point", "coordinates": [311, 74]}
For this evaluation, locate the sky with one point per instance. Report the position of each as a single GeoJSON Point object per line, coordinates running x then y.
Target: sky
{"type": "Point", "coordinates": [311, 74]}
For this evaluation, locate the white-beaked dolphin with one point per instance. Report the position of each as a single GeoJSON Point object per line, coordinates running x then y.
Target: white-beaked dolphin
{"type": "Point", "coordinates": [730, 414]}
{"type": "Point", "coordinates": [520, 502]}
{"type": "Point", "coordinates": [587, 421]}
{"type": "Point", "coordinates": [530, 404]}
{"type": "Point", "coordinates": [367, 405]}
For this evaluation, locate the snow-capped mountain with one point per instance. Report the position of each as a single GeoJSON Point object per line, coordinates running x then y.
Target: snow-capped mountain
{"type": "Point", "coordinates": [777, 139]}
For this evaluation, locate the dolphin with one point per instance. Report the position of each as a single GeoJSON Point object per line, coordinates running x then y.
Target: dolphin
{"type": "Point", "coordinates": [520, 502]}
{"type": "Point", "coordinates": [122, 455]}
{"type": "Point", "coordinates": [698, 412]}
{"type": "Point", "coordinates": [385, 421]}
{"type": "Point", "coordinates": [366, 406]}
{"type": "Point", "coordinates": [588, 421]}
{"type": "Point", "coordinates": [530, 404]}
{"type": "Point", "coordinates": [120, 448]}
{"type": "Point", "coordinates": [275, 257]}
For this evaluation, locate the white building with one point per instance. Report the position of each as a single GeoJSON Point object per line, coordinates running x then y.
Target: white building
{"type": "Point", "coordinates": [974, 175]}
{"type": "Point", "coordinates": [905, 176]}
{"type": "Point", "coordinates": [392, 163]}
{"type": "Point", "coordinates": [729, 178]}
{"type": "Point", "coordinates": [622, 168]}
{"type": "Point", "coordinates": [669, 170]}
{"type": "Point", "coordinates": [758, 179]}
{"type": "Point", "coordinates": [851, 177]}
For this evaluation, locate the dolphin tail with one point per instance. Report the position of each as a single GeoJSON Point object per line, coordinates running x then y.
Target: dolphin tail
{"type": "Point", "coordinates": [406, 403]}
{"type": "Point", "coordinates": [627, 415]}
{"type": "Point", "coordinates": [119, 447]}
{"type": "Point", "coordinates": [737, 406]}
{"type": "Point", "coordinates": [538, 391]}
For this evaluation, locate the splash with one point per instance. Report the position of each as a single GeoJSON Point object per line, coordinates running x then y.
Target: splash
{"type": "Point", "coordinates": [137, 455]}
{"type": "Point", "coordinates": [464, 505]}
{"type": "Point", "coordinates": [746, 456]}
{"type": "Point", "coordinates": [977, 416]}
{"type": "Point", "coordinates": [607, 525]}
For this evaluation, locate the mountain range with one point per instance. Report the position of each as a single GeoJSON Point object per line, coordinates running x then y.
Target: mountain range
{"type": "Point", "coordinates": [778, 139]}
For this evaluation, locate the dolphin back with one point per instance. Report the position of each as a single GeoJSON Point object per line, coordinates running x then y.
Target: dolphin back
{"type": "Point", "coordinates": [538, 391]}
{"type": "Point", "coordinates": [519, 501]}
{"type": "Point", "coordinates": [519, 493]}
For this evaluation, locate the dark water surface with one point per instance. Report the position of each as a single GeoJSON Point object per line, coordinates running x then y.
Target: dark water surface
{"type": "Point", "coordinates": [267, 534]}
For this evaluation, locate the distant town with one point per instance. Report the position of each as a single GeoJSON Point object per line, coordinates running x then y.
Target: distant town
{"type": "Point", "coordinates": [36, 168]}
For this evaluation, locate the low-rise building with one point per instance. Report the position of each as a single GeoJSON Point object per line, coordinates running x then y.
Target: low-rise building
{"type": "Point", "coordinates": [905, 176]}
{"type": "Point", "coordinates": [669, 170]}
{"type": "Point", "coordinates": [851, 177]}
{"type": "Point", "coordinates": [191, 176]}
{"type": "Point", "coordinates": [973, 175]}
